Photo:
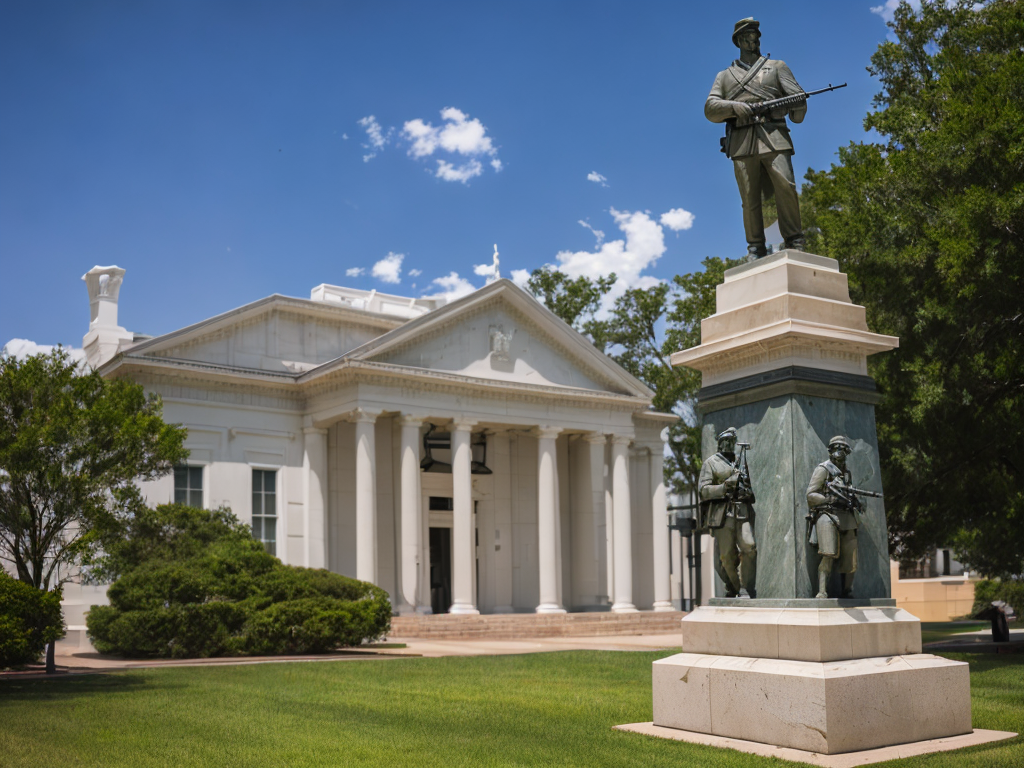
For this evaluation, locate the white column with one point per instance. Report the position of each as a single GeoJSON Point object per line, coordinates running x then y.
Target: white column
{"type": "Point", "coordinates": [596, 443]}
{"type": "Point", "coordinates": [412, 548]}
{"type": "Point", "coordinates": [314, 484]}
{"type": "Point", "coordinates": [609, 526]}
{"type": "Point", "coordinates": [548, 551]}
{"type": "Point", "coordinates": [623, 526]}
{"type": "Point", "coordinates": [463, 544]}
{"type": "Point", "coordinates": [662, 555]}
{"type": "Point", "coordinates": [366, 495]}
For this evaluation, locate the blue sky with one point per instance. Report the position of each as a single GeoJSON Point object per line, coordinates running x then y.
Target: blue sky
{"type": "Point", "coordinates": [224, 151]}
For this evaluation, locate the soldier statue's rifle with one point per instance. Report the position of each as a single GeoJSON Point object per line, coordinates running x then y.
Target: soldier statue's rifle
{"type": "Point", "coordinates": [762, 110]}
{"type": "Point", "coordinates": [744, 490]}
{"type": "Point", "coordinates": [846, 495]}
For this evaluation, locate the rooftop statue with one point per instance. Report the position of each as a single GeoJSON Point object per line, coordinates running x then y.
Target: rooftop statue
{"type": "Point", "coordinates": [753, 97]}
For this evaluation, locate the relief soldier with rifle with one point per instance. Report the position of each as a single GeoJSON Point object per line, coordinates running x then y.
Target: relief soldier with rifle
{"type": "Point", "coordinates": [834, 516]}
{"type": "Point", "coordinates": [753, 98]}
{"type": "Point", "coordinates": [726, 508]}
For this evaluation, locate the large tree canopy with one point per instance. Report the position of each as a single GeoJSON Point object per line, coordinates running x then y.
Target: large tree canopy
{"type": "Point", "coordinates": [928, 223]}
{"type": "Point", "coordinates": [72, 446]}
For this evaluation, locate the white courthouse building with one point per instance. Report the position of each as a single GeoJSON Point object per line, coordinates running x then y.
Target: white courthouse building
{"type": "Point", "coordinates": [478, 456]}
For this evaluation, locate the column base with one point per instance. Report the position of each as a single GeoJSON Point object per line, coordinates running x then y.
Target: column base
{"type": "Point", "coordinates": [664, 605]}
{"type": "Point", "coordinates": [550, 608]}
{"type": "Point", "coordinates": [464, 610]}
{"type": "Point", "coordinates": [405, 610]}
{"type": "Point", "coordinates": [624, 608]}
{"type": "Point", "coordinates": [424, 610]}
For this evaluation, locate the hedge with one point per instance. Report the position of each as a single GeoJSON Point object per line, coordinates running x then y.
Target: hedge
{"type": "Point", "coordinates": [225, 596]}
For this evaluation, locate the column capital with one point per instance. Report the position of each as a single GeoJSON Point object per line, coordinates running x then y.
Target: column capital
{"type": "Point", "coordinates": [411, 420]}
{"type": "Point", "coordinates": [462, 424]}
{"type": "Point", "coordinates": [363, 415]}
{"type": "Point", "coordinates": [595, 438]}
{"type": "Point", "coordinates": [314, 431]}
{"type": "Point", "coordinates": [656, 448]}
{"type": "Point", "coordinates": [620, 439]}
{"type": "Point", "coordinates": [542, 431]}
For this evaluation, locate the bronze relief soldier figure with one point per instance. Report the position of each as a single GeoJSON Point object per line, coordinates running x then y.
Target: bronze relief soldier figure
{"type": "Point", "coordinates": [727, 510]}
{"type": "Point", "coordinates": [833, 517]}
{"type": "Point", "coordinates": [759, 145]}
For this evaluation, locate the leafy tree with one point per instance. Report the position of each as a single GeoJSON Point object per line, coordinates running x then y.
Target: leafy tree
{"type": "Point", "coordinates": [929, 224]}
{"type": "Point", "coordinates": [72, 446]}
{"type": "Point", "coordinates": [576, 301]}
{"type": "Point", "coordinates": [194, 583]}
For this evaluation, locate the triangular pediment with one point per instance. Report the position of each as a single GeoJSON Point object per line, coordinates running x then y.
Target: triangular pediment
{"type": "Point", "coordinates": [277, 333]}
{"type": "Point", "coordinates": [500, 333]}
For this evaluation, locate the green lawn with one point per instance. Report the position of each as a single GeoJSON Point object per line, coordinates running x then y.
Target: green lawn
{"type": "Point", "coordinates": [934, 631]}
{"type": "Point", "coordinates": [539, 709]}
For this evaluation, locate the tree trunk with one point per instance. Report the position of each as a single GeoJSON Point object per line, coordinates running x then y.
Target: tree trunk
{"type": "Point", "coordinates": [51, 664]}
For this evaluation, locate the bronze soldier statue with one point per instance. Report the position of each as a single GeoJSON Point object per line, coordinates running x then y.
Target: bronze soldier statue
{"type": "Point", "coordinates": [759, 145]}
{"type": "Point", "coordinates": [832, 522]}
{"type": "Point", "coordinates": [727, 510]}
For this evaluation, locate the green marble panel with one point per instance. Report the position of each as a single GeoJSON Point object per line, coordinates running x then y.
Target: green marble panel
{"type": "Point", "coordinates": [789, 436]}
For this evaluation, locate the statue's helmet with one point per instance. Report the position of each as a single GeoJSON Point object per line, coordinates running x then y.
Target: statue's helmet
{"type": "Point", "coordinates": [727, 434]}
{"type": "Point", "coordinates": [743, 25]}
{"type": "Point", "coordinates": [839, 442]}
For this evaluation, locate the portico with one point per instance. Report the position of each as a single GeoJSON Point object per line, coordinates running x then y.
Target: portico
{"type": "Point", "coordinates": [474, 457]}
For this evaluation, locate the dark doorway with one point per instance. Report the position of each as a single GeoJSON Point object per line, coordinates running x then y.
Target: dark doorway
{"type": "Point", "coordinates": [440, 569]}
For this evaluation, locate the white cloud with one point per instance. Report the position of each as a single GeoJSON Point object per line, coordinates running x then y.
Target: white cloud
{"type": "Point", "coordinates": [458, 135]}
{"type": "Point", "coordinates": [376, 137]}
{"type": "Point", "coordinates": [22, 348]}
{"type": "Point", "coordinates": [520, 277]}
{"type": "Point", "coordinates": [643, 245]}
{"type": "Point", "coordinates": [596, 232]}
{"type": "Point", "coordinates": [355, 271]}
{"type": "Point", "coordinates": [888, 10]}
{"type": "Point", "coordinates": [415, 272]}
{"type": "Point", "coordinates": [448, 172]}
{"type": "Point", "coordinates": [677, 219]}
{"type": "Point", "coordinates": [344, 136]}
{"type": "Point", "coordinates": [455, 287]}
{"type": "Point", "coordinates": [597, 178]}
{"type": "Point", "coordinates": [389, 269]}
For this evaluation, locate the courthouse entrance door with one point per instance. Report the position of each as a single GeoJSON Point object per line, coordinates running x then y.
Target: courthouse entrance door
{"type": "Point", "coordinates": [440, 569]}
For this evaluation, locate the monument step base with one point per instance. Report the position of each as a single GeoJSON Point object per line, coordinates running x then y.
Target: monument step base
{"type": "Point", "coordinates": [802, 602]}
{"type": "Point", "coordinates": [801, 634]}
{"type": "Point", "coordinates": [517, 626]}
{"type": "Point", "coordinates": [824, 707]}
{"type": "Point", "coordinates": [845, 760]}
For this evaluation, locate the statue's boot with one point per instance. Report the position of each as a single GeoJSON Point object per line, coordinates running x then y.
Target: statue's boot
{"type": "Point", "coordinates": [798, 243]}
{"type": "Point", "coordinates": [756, 251]}
{"type": "Point", "coordinates": [847, 584]}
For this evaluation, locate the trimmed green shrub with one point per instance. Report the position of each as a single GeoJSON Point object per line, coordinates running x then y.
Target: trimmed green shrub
{"type": "Point", "coordinates": [204, 587]}
{"type": "Point", "coordinates": [1009, 591]}
{"type": "Point", "coordinates": [29, 619]}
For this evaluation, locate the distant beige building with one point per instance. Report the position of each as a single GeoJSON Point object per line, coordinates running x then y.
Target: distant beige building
{"type": "Point", "coordinates": [477, 456]}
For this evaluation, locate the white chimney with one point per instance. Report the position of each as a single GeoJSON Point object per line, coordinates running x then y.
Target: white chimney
{"type": "Point", "coordinates": [105, 337]}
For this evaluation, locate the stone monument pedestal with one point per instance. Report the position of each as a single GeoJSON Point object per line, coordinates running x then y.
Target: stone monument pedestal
{"type": "Point", "coordinates": [784, 361]}
{"type": "Point", "coordinates": [826, 679]}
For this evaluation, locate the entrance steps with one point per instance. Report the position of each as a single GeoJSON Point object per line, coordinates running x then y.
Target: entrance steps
{"type": "Point", "coordinates": [521, 626]}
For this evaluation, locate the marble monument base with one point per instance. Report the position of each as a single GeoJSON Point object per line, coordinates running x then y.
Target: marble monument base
{"type": "Point", "coordinates": [828, 680]}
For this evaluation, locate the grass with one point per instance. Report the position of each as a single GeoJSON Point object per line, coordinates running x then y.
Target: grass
{"type": "Point", "coordinates": [538, 709]}
{"type": "Point", "coordinates": [934, 631]}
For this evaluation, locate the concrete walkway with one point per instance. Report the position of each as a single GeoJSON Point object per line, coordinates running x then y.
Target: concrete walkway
{"type": "Point", "coordinates": [87, 663]}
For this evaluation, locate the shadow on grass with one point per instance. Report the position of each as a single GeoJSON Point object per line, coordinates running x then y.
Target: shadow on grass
{"type": "Point", "coordinates": [62, 687]}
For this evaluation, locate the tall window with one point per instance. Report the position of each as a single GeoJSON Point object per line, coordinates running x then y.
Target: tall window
{"type": "Point", "coordinates": [188, 486]}
{"type": "Point", "coordinates": [264, 508]}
